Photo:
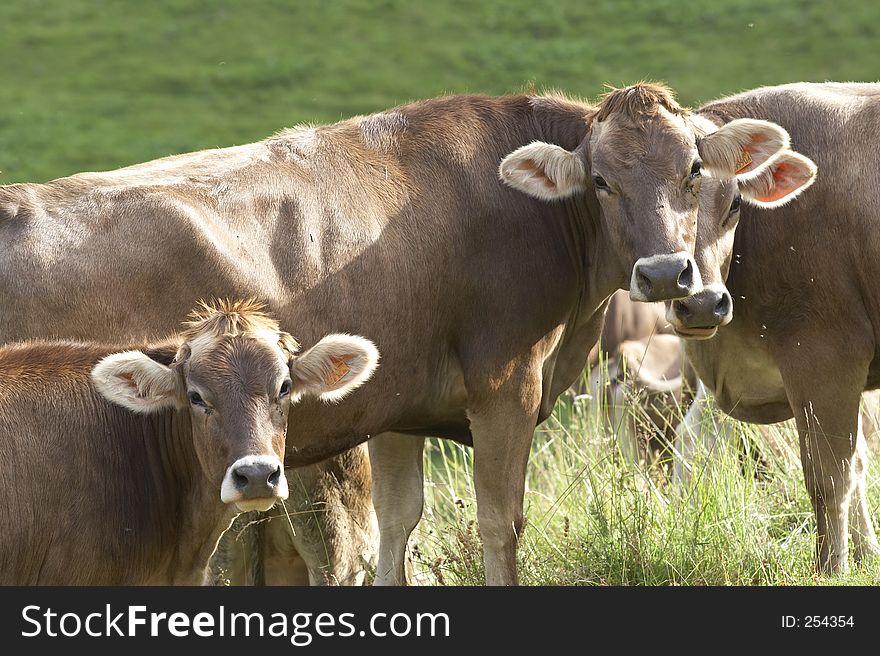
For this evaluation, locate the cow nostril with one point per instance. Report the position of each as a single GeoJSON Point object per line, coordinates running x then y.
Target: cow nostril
{"type": "Point", "coordinates": [686, 277]}
{"type": "Point", "coordinates": [240, 480]}
{"type": "Point", "coordinates": [644, 283]}
{"type": "Point", "coordinates": [722, 309]}
{"type": "Point", "coordinates": [275, 477]}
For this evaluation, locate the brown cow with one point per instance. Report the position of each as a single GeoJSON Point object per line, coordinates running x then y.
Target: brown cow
{"type": "Point", "coordinates": [634, 363]}
{"type": "Point", "coordinates": [113, 459]}
{"type": "Point", "coordinates": [625, 321]}
{"type": "Point", "coordinates": [483, 299]}
{"type": "Point", "coordinates": [641, 390]}
{"type": "Point", "coordinates": [803, 342]}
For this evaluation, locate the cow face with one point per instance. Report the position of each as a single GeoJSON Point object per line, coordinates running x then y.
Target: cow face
{"type": "Point", "coordinates": [784, 178]}
{"type": "Point", "coordinates": [644, 157]}
{"type": "Point", "coordinates": [236, 376]}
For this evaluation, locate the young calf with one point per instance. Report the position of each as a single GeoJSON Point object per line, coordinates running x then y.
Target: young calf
{"type": "Point", "coordinates": [112, 460]}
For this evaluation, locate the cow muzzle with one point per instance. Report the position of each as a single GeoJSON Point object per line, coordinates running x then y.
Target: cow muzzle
{"type": "Point", "coordinates": [254, 483]}
{"type": "Point", "coordinates": [664, 277]}
{"type": "Point", "coordinates": [699, 316]}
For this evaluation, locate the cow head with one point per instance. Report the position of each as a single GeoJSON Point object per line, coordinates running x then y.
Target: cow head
{"type": "Point", "coordinates": [643, 157]}
{"type": "Point", "coordinates": [783, 179]}
{"type": "Point", "coordinates": [236, 374]}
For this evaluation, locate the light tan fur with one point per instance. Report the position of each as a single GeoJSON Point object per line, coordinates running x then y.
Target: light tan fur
{"type": "Point", "coordinates": [544, 171]}
{"type": "Point", "coordinates": [135, 381]}
{"type": "Point", "coordinates": [335, 366]}
{"type": "Point", "coordinates": [742, 148]}
{"type": "Point", "coordinates": [483, 300]}
{"type": "Point", "coordinates": [806, 325]}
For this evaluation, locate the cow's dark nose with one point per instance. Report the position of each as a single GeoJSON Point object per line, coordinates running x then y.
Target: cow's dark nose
{"type": "Point", "coordinates": [664, 277]}
{"type": "Point", "coordinates": [710, 308]}
{"type": "Point", "coordinates": [257, 480]}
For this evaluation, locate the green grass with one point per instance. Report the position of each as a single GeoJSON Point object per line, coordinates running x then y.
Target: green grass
{"type": "Point", "coordinates": [592, 519]}
{"type": "Point", "coordinates": [96, 84]}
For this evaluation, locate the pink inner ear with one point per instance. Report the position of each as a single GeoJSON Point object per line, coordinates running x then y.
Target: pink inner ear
{"type": "Point", "coordinates": [787, 177]}
{"type": "Point", "coordinates": [536, 171]}
{"type": "Point", "coordinates": [128, 379]}
{"type": "Point", "coordinates": [753, 154]}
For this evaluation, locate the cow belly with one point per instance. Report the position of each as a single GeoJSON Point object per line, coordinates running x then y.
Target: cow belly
{"type": "Point", "coordinates": [746, 387]}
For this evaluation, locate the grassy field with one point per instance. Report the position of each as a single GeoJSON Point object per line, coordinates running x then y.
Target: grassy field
{"type": "Point", "coordinates": [96, 84]}
{"type": "Point", "coordinates": [593, 519]}
{"type": "Point", "coordinates": [92, 85]}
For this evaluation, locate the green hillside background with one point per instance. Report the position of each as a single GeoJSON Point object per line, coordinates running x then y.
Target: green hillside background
{"type": "Point", "coordinates": [90, 85]}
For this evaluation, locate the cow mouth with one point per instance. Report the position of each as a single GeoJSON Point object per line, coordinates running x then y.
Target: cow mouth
{"type": "Point", "coordinates": [260, 505]}
{"type": "Point", "coordinates": [695, 333]}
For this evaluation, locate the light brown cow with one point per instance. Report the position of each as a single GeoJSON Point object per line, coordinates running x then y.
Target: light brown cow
{"type": "Point", "coordinates": [483, 299]}
{"type": "Point", "coordinates": [329, 538]}
{"type": "Point", "coordinates": [804, 339]}
{"type": "Point", "coordinates": [642, 391]}
{"type": "Point", "coordinates": [633, 335]}
{"type": "Point", "coordinates": [124, 466]}
{"type": "Point", "coordinates": [625, 321]}
{"type": "Point", "coordinates": [644, 385]}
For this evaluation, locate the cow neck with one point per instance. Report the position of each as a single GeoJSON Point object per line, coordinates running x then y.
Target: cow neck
{"type": "Point", "coordinates": [185, 511]}
{"type": "Point", "coordinates": [578, 217]}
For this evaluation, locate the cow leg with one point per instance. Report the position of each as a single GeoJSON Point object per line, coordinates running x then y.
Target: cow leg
{"type": "Point", "coordinates": [862, 529]}
{"type": "Point", "coordinates": [827, 421]}
{"type": "Point", "coordinates": [502, 426]}
{"type": "Point", "coordinates": [620, 420]}
{"type": "Point", "coordinates": [686, 437]}
{"type": "Point", "coordinates": [282, 563]}
{"type": "Point", "coordinates": [704, 430]}
{"type": "Point", "coordinates": [501, 453]}
{"type": "Point", "coordinates": [398, 496]}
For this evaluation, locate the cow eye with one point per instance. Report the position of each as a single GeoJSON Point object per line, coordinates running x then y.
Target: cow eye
{"type": "Point", "coordinates": [196, 399]}
{"type": "Point", "coordinates": [735, 204]}
{"type": "Point", "coordinates": [733, 212]}
{"type": "Point", "coordinates": [285, 389]}
{"type": "Point", "coordinates": [601, 183]}
{"type": "Point", "coordinates": [696, 169]}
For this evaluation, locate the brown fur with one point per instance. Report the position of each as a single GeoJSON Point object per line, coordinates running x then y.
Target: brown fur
{"type": "Point", "coordinates": [100, 495]}
{"type": "Point", "coordinates": [483, 301]}
{"type": "Point", "coordinates": [626, 320]}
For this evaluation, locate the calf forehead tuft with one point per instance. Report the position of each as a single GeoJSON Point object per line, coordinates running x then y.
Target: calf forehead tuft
{"type": "Point", "coordinates": [644, 99]}
{"type": "Point", "coordinates": [229, 318]}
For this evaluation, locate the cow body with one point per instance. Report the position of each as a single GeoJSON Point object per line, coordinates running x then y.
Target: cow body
{"type": "Point", "coordinates": [627, 321]}
{"type": "Point", "coordinates": [636, 376]}
{"type": "Point", "coordinates": [483, 300]}
{"type": "Point", "coordinates": [804, 337]}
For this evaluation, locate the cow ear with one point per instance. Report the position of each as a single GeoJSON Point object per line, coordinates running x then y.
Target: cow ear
{"type": "Point", "coordinates": [742, 147]}
{"type": "Point", "coordinates": [544, 171]}
{"type": "Point", "coordinates": [784, 179]}
{"type": "Point", "coordinates": [334, 367]}
{"type": "Point", "coordinates": [135, 381]}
